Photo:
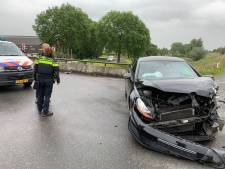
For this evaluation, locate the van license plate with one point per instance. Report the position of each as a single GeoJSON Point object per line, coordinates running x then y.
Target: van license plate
{"type": "Point", "coordinates": [21, 81]}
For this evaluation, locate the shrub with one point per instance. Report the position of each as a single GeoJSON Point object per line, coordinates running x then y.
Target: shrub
{"type": "Point", "coordinates": [197, 53]}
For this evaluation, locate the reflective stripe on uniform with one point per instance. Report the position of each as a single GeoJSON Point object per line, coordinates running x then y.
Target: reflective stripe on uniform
{"type": "Point", "coordinates": [46, 61]}
{"type": "Point", "coordinates": [55, 65]}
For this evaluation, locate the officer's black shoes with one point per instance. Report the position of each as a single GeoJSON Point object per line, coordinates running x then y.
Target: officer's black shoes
{"type": "Point", "coordinates": [46, 114]}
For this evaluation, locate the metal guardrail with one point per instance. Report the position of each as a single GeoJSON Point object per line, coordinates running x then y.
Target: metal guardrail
{"type": "Point", "coordinates": [85, 61]}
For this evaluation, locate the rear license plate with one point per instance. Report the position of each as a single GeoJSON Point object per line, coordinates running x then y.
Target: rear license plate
{"type": "Point", "coordinates": [21, 81]}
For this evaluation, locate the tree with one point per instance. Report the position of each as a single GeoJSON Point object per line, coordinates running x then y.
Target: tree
{"type": "Point", "coordinates": [186, 49]}
{"type": "Point", "coordinates": [220, 50]}
{"type": "Point", "coordinates": [152, 50]}
{"type": "Point", "coordinates": [197, 53]}
{"type": "Point", "coordinates": [163, 52]}
{"type": "Point", "coordinates": [194, 49]}
{"type": "Point", "coordinates": [177, 49]}
{"type": "Point", "coordinates": [67, 28]}
{"type": "Point", "coordinates": [93, 46]}
{"type": "Point", "coordinates": [196, 43]}
{"type": "Point", "coordinates": [124, 33]}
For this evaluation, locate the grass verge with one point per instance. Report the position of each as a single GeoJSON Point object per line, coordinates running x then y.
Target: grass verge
{"type": "Point", "coordinates": [212, 64]}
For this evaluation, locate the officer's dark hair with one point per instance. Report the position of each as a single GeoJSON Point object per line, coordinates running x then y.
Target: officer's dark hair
{"type": "Point", "coordinates": [49, 52]}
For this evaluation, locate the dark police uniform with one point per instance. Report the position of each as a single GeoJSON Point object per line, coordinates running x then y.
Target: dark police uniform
{"type": "Point", "coordinates": [35, 87]}
{"type": "Point", "coordinates": [46, 71]}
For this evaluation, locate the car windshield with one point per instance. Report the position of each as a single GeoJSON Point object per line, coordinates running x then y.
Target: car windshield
{"type": "Point", "coordinates": [9, 49]}
{"type": "Point", "coordinates": [152, 70]}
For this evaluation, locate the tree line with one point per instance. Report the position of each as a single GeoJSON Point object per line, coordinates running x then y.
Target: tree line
{"type": "Point", "coordinates": [194, 49]}
{"type": "Point", "coordinates": [220, 50]}
{"type": "Point", "coordinates": [71, 31]}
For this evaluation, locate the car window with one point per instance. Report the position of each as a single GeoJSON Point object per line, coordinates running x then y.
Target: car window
{"type": "Point", "coordinates": [9, 49]}
{"type": "Point", "coordinates": [149, 70]}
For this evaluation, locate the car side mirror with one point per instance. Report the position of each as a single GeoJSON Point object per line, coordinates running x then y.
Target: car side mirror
{"type": "Point", "coordinates": [127, 76]}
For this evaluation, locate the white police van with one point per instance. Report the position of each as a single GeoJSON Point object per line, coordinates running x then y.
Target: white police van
{"type": "Point", "coordinates": [15, 67]}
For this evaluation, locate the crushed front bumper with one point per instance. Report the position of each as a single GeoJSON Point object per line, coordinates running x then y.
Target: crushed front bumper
{"type": "Point", "coordinates": [157, 140]}
{"type": "Point", "coordinates": [9, 78]}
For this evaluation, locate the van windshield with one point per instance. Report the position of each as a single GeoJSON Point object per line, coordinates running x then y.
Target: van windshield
{"type": "Point", "coordinates": [9, 49]}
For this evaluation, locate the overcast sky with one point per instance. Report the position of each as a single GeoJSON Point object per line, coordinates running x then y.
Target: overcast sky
{"type": "Point", "coordinates": [167, 20]}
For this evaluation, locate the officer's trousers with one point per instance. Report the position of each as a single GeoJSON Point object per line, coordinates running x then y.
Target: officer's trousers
{"type": "Point", "coordinates": [44, 89]}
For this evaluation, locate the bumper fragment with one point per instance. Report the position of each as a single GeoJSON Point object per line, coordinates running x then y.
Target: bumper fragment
{"type": "Point", "coordinates": [160, 141]}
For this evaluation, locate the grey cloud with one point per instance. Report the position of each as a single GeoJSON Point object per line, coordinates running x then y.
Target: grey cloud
{"type": "Point", "coordinates": [168, 20]}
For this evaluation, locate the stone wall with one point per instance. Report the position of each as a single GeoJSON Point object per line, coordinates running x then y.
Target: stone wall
{"type": "Point", "coordinates": [91, 69]}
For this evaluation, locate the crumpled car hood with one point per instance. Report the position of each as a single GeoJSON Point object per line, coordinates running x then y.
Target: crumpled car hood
{"type": "Point", "coordinates": [203, 86]}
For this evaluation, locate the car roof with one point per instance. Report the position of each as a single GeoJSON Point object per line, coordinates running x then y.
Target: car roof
{"type": "Point", "coordinates": [165, 58]}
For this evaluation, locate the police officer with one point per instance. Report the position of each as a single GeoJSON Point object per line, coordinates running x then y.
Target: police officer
{"type": "Point", "coordinates": [42, 53]}
{"type": "Point", "coordinates": [46, 71]}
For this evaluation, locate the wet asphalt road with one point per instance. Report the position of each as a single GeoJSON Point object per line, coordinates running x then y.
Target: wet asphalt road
{"type": "Point", "coordinates": [87, 131]}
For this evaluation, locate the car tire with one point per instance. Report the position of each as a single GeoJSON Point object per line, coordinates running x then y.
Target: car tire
{"type": "Point", "coordinates": [27, 85]}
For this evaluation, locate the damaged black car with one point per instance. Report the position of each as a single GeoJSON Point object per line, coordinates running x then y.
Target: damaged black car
{"type": "Point", "coordinates": [173, 108]}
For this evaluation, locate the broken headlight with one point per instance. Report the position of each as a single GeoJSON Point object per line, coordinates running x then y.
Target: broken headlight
{"type": "Point", "coordinates": [143, 110]}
